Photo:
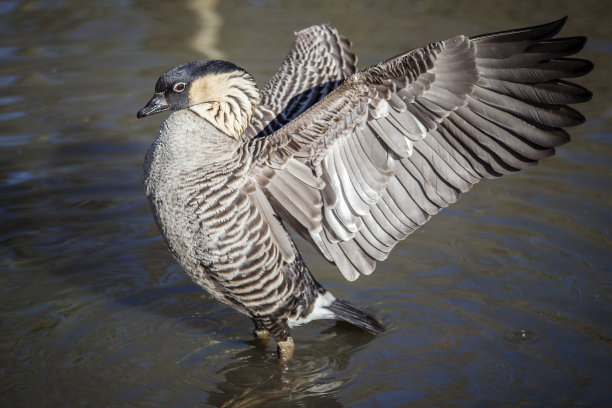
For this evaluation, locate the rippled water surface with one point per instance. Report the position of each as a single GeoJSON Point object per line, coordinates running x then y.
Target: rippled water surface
{"type": "Point", "coordinates": [504, 299]}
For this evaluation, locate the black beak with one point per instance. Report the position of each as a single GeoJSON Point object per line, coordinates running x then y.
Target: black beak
{"type": "Point", "coordinates": [157, 104]}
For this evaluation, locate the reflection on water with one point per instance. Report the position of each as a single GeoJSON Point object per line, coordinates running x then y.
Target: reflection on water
{"type": "Point", "coordinates": [210, 22]}
{"type": "Point", "coordinates": [310, 377]}
{"type": "Point", "coordinates": [504, 298]}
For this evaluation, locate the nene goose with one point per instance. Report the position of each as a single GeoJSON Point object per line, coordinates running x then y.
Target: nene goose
{"type": "Point", "coordinates": [354, 162]}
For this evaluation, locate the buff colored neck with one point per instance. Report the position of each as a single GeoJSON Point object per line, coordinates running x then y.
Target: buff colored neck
{"type": "Point", "coordinates": [227, 101]}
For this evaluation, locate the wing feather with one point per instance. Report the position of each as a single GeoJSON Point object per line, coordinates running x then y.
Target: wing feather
{"type": "Point", "coordinates": [392, 145]}
{"type": "Point", "coordinates": [319, 60]}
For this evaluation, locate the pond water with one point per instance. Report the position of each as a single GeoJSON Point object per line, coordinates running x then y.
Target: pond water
{"type": "Point", "coordinates": [504, 299]}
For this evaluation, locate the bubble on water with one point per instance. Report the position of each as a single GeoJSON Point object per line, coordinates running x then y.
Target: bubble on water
{"type": "Point", "coordinates": [521, 336]}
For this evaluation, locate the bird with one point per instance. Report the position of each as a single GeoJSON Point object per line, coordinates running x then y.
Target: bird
{"type": "Point", "coordinates": [352, 161]}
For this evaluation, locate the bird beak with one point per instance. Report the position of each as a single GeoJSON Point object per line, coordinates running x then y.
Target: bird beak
{"type": "Point", "coordinates": [157, 104]}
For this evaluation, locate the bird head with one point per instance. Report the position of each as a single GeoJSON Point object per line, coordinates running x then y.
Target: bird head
{"type": "Point", "coordinates": [219, 91]}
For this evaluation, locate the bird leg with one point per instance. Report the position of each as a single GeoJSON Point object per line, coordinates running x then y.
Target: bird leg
{"type": "Point", "coordinates": [285, 349]}
{"type": "Point", "coordinates": [262, 334]}
{"type": "Point", "coordinates": [260, 331]}
{"type": "Point", "coordinates": [266, 327]}
{"type": "Point", "coordinates": [277, 328]}
{"type": "Point", "coordinates": [280, 331]}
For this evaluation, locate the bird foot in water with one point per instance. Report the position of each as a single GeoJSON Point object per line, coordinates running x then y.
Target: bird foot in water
{"type": "Point", "coordinates": [262, 334]}
{"type": "Point", "coordinates": [285, 349]}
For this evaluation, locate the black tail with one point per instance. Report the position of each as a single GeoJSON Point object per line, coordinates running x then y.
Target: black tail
{"type": "Point", "coordinates": [351, 314]}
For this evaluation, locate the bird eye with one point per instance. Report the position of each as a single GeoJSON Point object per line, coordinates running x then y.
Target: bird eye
{"type": "Point", "coordinates": [179, 87]}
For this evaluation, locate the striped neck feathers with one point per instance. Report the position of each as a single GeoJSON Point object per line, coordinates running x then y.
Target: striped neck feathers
{"type": "Point", "coordinates": [227, 100]}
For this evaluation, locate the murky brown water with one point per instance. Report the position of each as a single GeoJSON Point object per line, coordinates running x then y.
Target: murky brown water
{"type": "Point", "coordinates": [504, 299]}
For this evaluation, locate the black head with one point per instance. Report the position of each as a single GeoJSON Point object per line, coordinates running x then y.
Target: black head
{"type": "Point", "coordinates": [173, 89]}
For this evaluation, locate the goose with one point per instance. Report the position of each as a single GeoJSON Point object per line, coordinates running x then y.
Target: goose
{"type": "Point", "coordinates": [353, 162]}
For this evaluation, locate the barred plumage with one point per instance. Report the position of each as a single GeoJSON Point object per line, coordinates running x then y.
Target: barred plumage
{"type": "Point", "coordinates": [354, 162]}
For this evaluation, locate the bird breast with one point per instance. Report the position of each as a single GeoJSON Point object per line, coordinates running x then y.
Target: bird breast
{"type": "Point", "coordinates": [199, 197]}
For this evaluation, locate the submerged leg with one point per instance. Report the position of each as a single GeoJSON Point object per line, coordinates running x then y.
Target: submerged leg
{"type": "Point", "coordinates": [280, 332]}
{"type": "Point", "coordinates": [285, 349]}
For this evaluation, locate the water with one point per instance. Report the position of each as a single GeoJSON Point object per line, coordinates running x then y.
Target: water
{"type": "Point", "coordinates": [504, 299]}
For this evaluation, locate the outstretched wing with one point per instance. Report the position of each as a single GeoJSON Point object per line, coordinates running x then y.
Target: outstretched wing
{"type": "Point", "coordinates": [401, 140]}
{"type": "Point", "coordinates": [318, 62]}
